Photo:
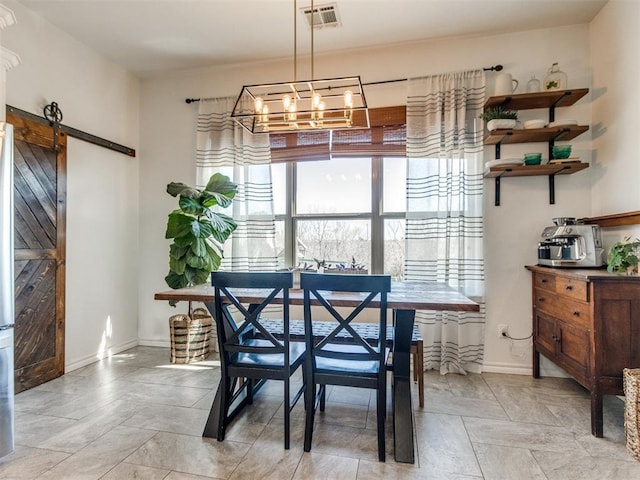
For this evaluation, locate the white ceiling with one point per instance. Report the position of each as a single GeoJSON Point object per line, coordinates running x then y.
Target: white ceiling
{"type": "Point", "coordinates": [151, 36]}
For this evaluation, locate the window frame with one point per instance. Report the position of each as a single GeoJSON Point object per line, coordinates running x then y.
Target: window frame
{"type": "Point", "coordinates": [385, 138]}
{"type": "Point", "coordinates": [376, 217]}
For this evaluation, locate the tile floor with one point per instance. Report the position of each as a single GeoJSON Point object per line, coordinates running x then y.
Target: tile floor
{"type": "Point", "coordinates": [135, 415]}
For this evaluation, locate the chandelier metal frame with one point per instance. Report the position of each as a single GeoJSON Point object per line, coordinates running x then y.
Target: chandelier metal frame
{"type": "Point", "coordinates": [316, 104]}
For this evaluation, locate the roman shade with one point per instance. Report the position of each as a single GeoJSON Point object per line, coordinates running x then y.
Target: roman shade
{"type": "Point", "coordinates": [385, 137]}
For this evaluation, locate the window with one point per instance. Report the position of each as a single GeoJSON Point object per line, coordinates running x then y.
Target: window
{"type": "Point", "coordinates": [341, 196]}
{"type": "Point", "coordinates": [342, 211]}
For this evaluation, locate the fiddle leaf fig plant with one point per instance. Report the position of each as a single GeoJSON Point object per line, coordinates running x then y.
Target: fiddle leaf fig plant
{"type": "Point", "coordinates": [198, 232]}
{"type": "Point", "coordinates": [623, 256]}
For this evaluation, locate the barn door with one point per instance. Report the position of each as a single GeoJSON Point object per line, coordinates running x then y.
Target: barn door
{"type": "Point", "coordinates": [40, 191]}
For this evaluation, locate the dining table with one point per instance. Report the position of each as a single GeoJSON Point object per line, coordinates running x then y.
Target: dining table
{"type": "Point", "coordinates": [404, 299]}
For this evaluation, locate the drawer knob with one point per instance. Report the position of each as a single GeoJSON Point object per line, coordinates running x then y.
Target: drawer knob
{"type": "Point", "coordinates": [541, 299]}
{"type": "Point", "coordinates": [544, 280]}
{"type": "Point", "coordinates": [569, 287]}
{"type": "Point", "coordinates": [576, 313]}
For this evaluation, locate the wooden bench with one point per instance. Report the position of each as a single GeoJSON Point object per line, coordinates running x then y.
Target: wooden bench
{"type": "Point", "coordinates": [368, 331]}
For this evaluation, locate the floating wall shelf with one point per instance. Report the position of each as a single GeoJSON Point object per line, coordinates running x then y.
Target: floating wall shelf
{"type": "Point", "coordinates": [527, 101]}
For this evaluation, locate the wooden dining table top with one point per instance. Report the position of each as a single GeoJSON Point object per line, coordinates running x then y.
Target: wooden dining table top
{"type": "Point", "coordinates": [403, 296]}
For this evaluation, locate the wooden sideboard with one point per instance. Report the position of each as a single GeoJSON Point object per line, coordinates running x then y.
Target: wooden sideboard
{"type": "Point", "coordinates": [587, 321]}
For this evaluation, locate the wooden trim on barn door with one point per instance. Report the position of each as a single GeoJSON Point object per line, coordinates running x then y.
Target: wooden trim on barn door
{"type": "Point", "coordinates": [40, 183]}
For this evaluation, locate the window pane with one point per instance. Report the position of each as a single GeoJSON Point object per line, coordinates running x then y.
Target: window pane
{"type": "Point", "coordinates": [334, 241]}
{"type": "Point", "coordinates": [394, 248]}
{"type": "Point", "coordinates": [341, 185]}
{"type": "Point", "coordinates": [394, 174]}
{"type": "Point", "coordinates": [280, 250]}
{"type": "Point", "coordinates": [278, 179]}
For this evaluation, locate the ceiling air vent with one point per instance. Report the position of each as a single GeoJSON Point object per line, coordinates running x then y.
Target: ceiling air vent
{"type": "Point", "coordinates": [323, 15]}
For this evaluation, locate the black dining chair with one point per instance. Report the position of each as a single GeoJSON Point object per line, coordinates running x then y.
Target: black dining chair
{"type": "Point", "coordinates": [246, 361]}
{"type": "Point", "coordinates": [331, 360]}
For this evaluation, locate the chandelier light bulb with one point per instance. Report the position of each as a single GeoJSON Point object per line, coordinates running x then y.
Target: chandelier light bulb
{"type": "Point", "coordinates": [348, 99]}
{"type": "Point", "coordinates": [258, 104]}
{"type": "Point", "coordinates": [317, 99]}
{"type": "Point", "coordinates": [290, 114]}
{"type": "Point", "coordinates": [286, 102]}
{"type": "Point", "coordinates": [321, 107]}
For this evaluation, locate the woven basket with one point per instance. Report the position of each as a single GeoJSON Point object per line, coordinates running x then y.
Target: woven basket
{"type": "Point", "coordinates": [190, 336]}
{"type": "Point", "coordinates": [631, 381]}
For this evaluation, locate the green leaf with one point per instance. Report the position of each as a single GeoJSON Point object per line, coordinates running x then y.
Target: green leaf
{"type": "Point", "coordinates": [195, 228]}
{"type": "Point", "coordinates": [178, 224]}
{"type": "Point", "coordinates": [206, 229]}
{"type": "Point", "coordinates": [214, 258]}
{"type": "Point", "coordinates": [202, 276]}
{"type": "Point", "coordinates": [184, 241]}
{"type": "Point", "coordinates": [223, 224]}
{"type": "Point", "coordinates": [176, 251]}
{"type": "Point", "coordinates": [199, 247]}
{"type": "Point", "coordinates": [176, 281]}
{"type": "Point", "coordinates": [221, 184]}
{"type": "Point", "coordinates": [212, 199]}
{"type": "Point", "coordinates": [177, 265]}
{"type": "Point", "coordinates": [197, 261]}
{"type": "Point", "coordinates": [191, 206]}
{"type": "Point", "coordinates": [174, 189]}
{"type": "Point", "coordinates": [196, 276]}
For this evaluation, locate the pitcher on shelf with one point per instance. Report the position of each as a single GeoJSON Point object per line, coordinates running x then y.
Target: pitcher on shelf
{"type": "Point", "coordinates": [505, 84]}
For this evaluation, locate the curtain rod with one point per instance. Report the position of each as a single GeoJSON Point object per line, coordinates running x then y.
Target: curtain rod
{"type": "Point", "coordinates": [495, 68]}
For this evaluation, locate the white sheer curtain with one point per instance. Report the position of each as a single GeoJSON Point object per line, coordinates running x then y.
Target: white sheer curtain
{"type": "Point", "coordinates": [444, 225]}
{"type": "Point", "coordinates": [224, 146]}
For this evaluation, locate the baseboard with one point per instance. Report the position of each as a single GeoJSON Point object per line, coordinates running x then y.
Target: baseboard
{"type": "Point", "coordinates": [89, 359]}
{"type": "Point", "coordinates": [507, 368]}
{"type": "Point", "coordinates": [515, 369]}
{"type": "Point", "coordinates": [154, 343]}
{"type": "Point", "coordinates": [213, 346]}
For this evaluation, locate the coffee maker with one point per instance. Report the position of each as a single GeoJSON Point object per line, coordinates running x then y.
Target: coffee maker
{"type": "Point", "coordinates": [571, 244]}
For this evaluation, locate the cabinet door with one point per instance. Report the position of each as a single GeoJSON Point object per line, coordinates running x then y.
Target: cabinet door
{"type": "Point", "coordinates": [545, 334]}
{"type": "Point", "coordinates": [573, 349]}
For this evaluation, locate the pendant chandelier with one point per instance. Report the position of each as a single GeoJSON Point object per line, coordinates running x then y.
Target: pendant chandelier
{"type": "Point", "coordinates": [326, 104]}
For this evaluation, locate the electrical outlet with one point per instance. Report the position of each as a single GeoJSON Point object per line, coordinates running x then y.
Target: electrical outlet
{"type": "Point", "coordinates": [503, 331]}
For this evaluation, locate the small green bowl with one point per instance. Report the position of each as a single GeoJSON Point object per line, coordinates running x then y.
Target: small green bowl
{"type": "Point", "coordinates": [532, 158]}
{"type": "Point", "coordinates": [561, 151]}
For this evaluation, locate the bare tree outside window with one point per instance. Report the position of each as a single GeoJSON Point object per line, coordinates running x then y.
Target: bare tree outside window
{"type": "Point", "coordinates": [337, 203]}
{"type": "Point", "coordinates": [336, 242]}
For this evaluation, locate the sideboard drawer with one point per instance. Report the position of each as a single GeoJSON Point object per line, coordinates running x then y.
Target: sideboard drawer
{"type": "Point", "coordinates": [569, 310]}
{"type": "Point", "coordinates": [542, 280]}
{"type": "Point", "coordinates": [570, 287]}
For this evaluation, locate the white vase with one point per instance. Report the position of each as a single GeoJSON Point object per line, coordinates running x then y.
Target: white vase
{"type": "Point", "coordinates": [497, 123]}
{"type": "Point", "coordinates": [505, 85]}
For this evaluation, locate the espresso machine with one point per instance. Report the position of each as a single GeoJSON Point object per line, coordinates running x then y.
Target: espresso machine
{"type": "Point", "coordinates": [569, 243]}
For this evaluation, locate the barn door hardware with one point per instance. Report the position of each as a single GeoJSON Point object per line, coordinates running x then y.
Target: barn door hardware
{"type": "Point", "coordinates": [53, 117]}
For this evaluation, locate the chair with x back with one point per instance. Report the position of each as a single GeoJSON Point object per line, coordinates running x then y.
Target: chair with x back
{"type": "Point", "coordinates": [246, 361]}
{"type": "Point", "coordinates": [331, 360]}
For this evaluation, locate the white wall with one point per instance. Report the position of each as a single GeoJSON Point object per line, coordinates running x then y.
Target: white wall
{"type": "Point", "coordinates": [100, 98]}
{"type": "Point", "coordinates": [512, 230]}
{"type": "Point", "coordinates": [615, 36]}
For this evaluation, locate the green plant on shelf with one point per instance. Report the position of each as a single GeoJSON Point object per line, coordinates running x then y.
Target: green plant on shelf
{"type": "Point", "coordinates": [623, 256]}
{"type": "Point", "coordinates": [493, 113]}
